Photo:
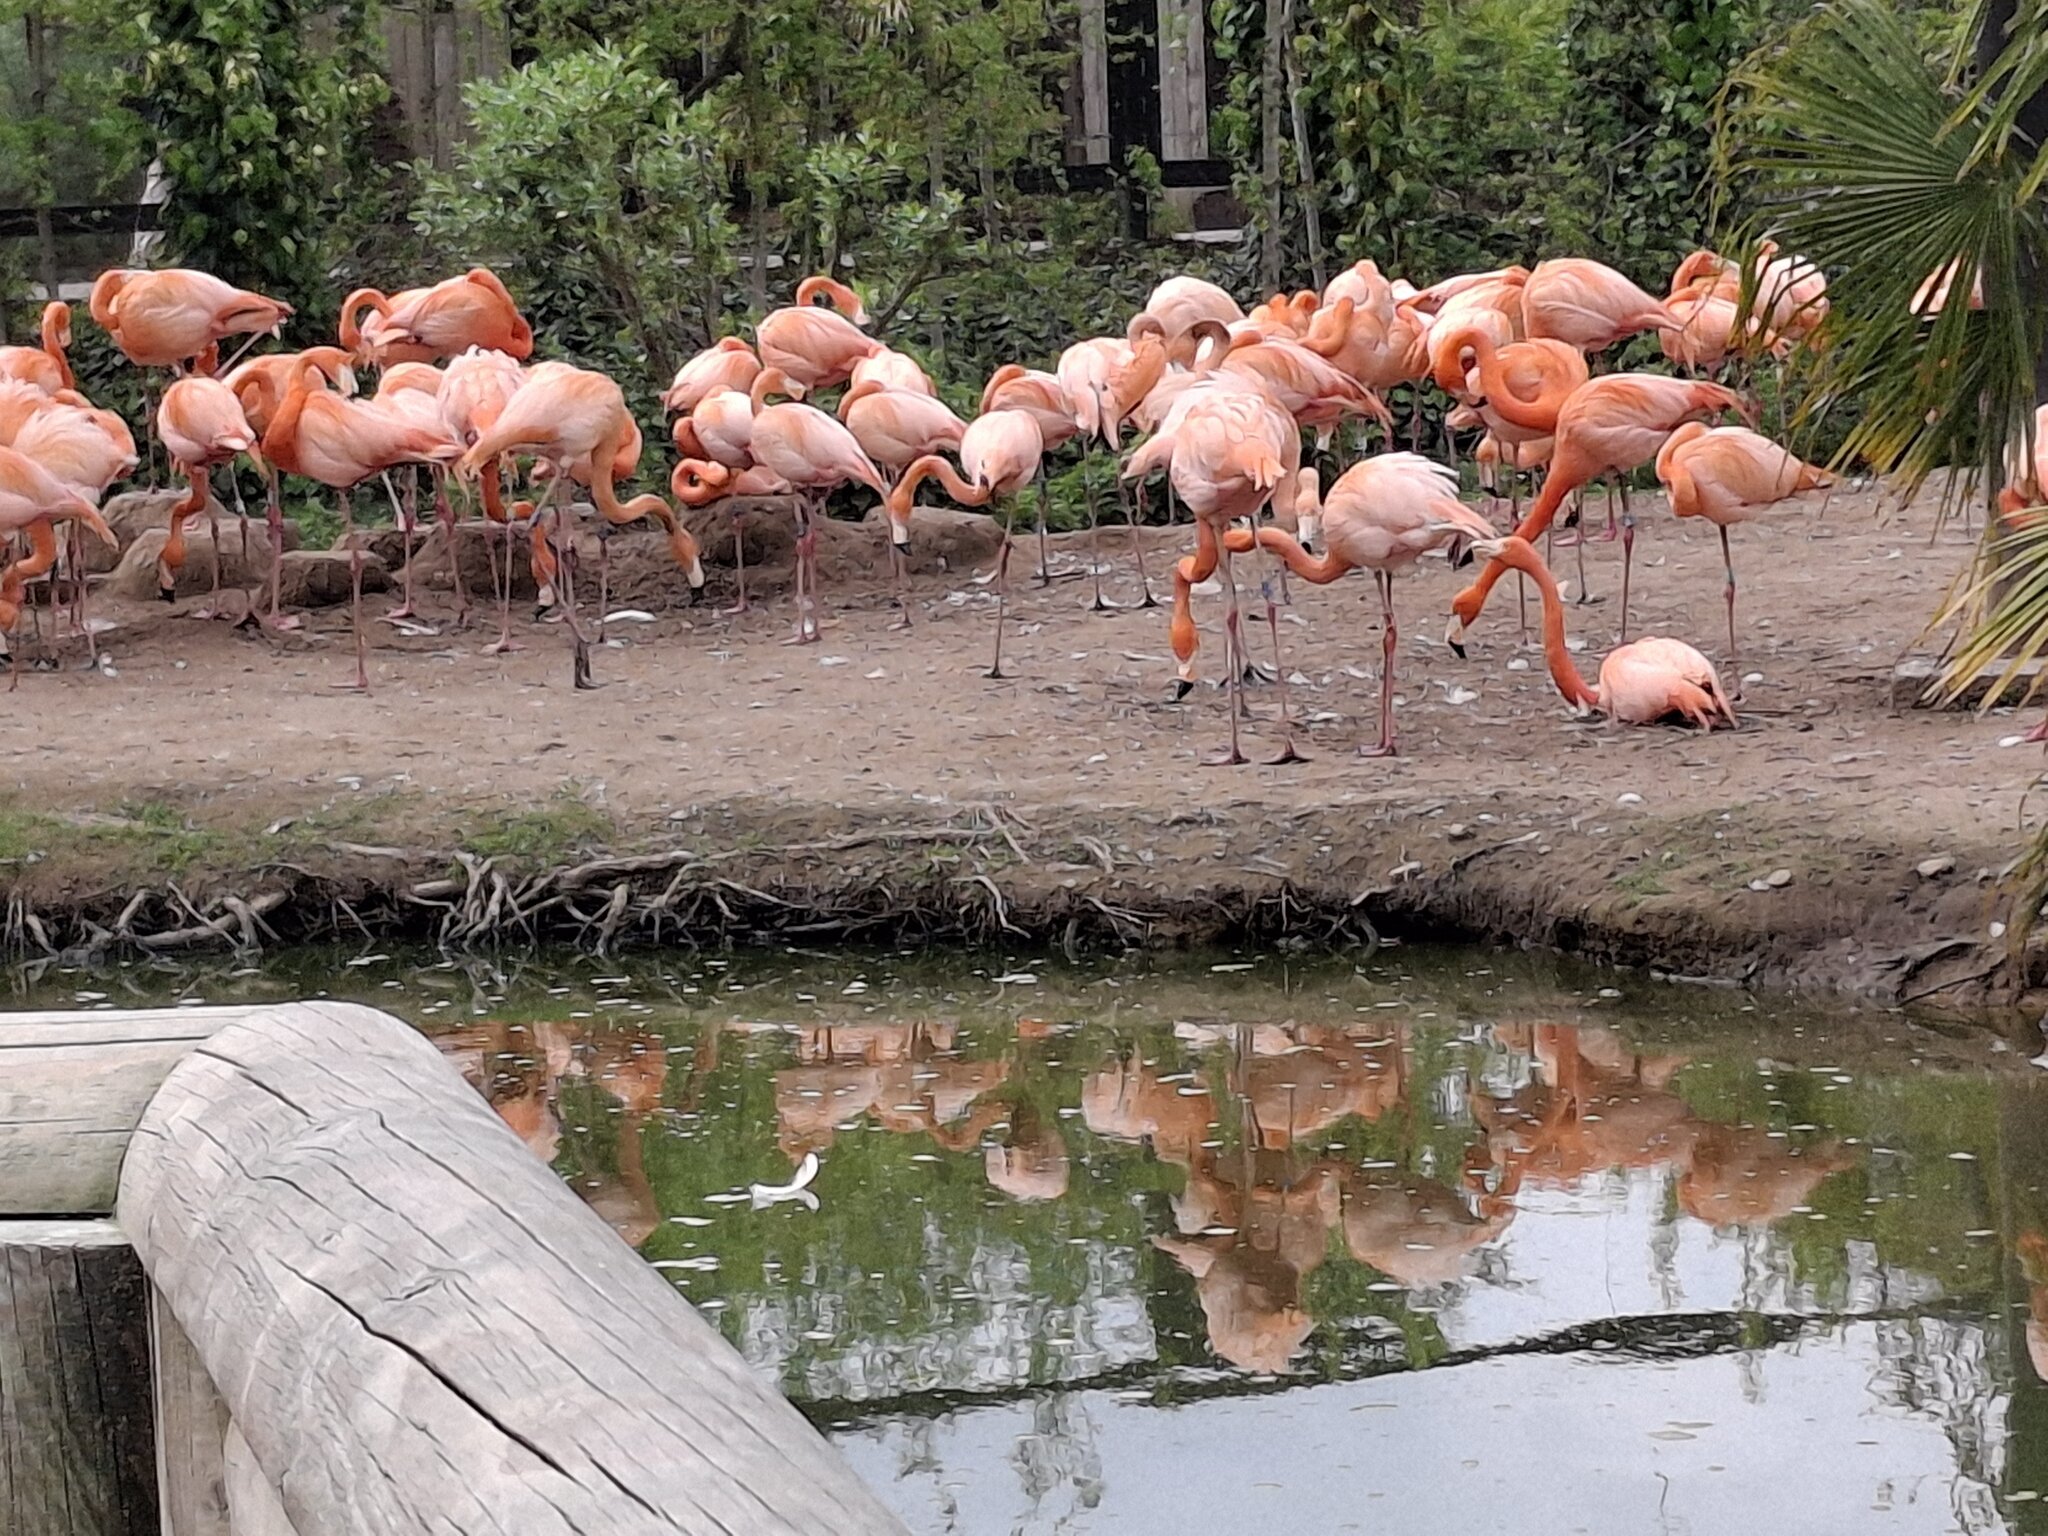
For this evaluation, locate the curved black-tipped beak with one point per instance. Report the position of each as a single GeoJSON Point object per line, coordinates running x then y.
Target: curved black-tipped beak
{"type": "Point", "coordinates": [1458, 648]}
{"type": "Point", "coordinates": [1181, 689]}
{"type": "Point", "coordinates": [168, 594]}
{"type": "Point", "coordinates": [1461, 555]}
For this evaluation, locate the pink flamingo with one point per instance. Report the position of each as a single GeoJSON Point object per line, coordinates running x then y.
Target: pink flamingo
{"type": "Point", "coordinates": [45, 366]}
{"type": "Point", "coordinates": [1000, 453]}
{"type": "Point", "coordinates": [895, 428]}
{"type": "Point", "coordinates": [31, 501]}
{"type": "Point", "coordinates": [814, 452]}
{"type": "Point", "coordinates": [729, 363]}
{"type": "Point", "coordinates": [1640, 683]}
{"type": "Point", "coordinates": [1587, 304]}
{"type": "Point", "coordinates": [201, 424]}
{"type": "Point", "coordinates": [1383, 515]}
{"type": "Point", "coordinates": [1013, 387]}
{"type": "Point", "coordinates": [814, 347]}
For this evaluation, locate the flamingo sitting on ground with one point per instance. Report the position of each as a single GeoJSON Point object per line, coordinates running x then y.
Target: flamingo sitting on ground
{"type": "Point", "coordinates": [999, 455]}
{"type": "Point", "coordinates": [895, 428]}
{"type": "Point", "coordinates": [260, 385]}
{"type": "Point", "coordinates": [1587, 304]}
{"type": "Point", "coordinates": [1383, 515]}
{"type": "Point", "coordinates": [1728, 475]}
{"type": "Point", "coordinates": [45, 366]}
{"type": "Point", "coordinates": [1640, 683]}
{"type": "Point", "coordinates": [201, 424]}
{"type": "Point", "coordinates": [729, 363]}
{"type": "Point", "coordinates": [425, 324]}
{"type": "Point", "coordinates": [31, 500]}
{"type": "Point", "coordinates": [1614, 423]}
{"type": "Point", "coordinates": [341, 443]}
{"type": "Point", "coordinates": [814, 347]}
{"type": "Point", "coordinates": [700, 482]}
{"type": "Point", "coordinates": [814, 452]}
{"type": "Point", "coordinates": [1013, 387]}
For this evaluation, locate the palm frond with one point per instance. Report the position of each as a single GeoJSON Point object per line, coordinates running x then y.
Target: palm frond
{"type": "Point", "coordinates": [2001, 609]}
{"type": "Point", "coordinates": [1842, 144]}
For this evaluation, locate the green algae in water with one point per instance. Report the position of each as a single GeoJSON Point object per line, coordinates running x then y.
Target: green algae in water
{"type": "Point", "coordinates": [1430, 1244]}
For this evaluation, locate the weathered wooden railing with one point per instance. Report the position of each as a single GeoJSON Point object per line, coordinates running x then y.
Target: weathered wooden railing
{"type": "Point", "coordinates": [337, 1297]}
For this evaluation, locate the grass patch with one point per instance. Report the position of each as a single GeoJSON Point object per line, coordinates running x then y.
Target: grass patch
{"type": "Point", "coordinates": [546, 835]}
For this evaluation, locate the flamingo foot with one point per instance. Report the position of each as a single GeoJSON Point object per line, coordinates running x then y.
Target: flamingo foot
{"type": "Point", "coordinates": [1229, 757]}
{"type": "Point", "coordinates": [2038, 734]}
{"type": "Point", "coordinates": [581, 668]}
{"type": "Point", "coordinates": [503, 647]}
{"type": "Point", "coordinates": [1383, 749]}
{"type": "Point", "coordinates": [1288, 754]}
{"type": "Point", "coordinates": [742, 606]}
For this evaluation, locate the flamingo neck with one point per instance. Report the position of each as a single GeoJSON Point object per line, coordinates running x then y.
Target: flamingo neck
{"type": "Point", "coordinates": [1522, 557]}
{"type": "Point", "coordinates": [1319, 572]}
{"type": "Point", "coordinates": [352, 307]}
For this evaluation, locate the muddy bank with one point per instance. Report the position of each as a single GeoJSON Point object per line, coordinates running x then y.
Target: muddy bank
{"type": "Point", "coordinates": [206, 785]}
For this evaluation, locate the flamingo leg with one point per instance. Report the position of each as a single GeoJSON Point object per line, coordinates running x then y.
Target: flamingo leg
{"type": "Point", "coordinates": [213, 533]}
{"type": "Point", "coordinates": [1289, 753]}
{"type": "Point", "coordinates": [444, 513]}
{"type": "Point", "coordinates": [1003, 582]}
{"type": "Point", "coordinates": [1233, 635]}
{"type": "Point", "coordinates": [1135, 522]}
{"type": "Point", "coordinates": [1728, 592]}
{"type": "Point", "coordinates": [1613, 531]}
{"type": "Point", "coordinates": [355, 594]}
{"type": "Point", "coordinates": [1094, 532]}
{"type": "Point", "coordinates": [565, 557]}
{"type": "Point", "coordinates": [1044, 561]}
{"type": "Point", "coordinates": [604, 575]}
{"type": "Point", "coordinates": [739, 561]}
{"type": "Point", "coordinates": [1389, 639]}
{"type": "Point", "coordinates": [402, 514]}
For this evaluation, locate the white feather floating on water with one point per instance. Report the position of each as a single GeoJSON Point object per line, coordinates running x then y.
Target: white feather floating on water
{"type": "Point", "coordinates": [798, 1188]}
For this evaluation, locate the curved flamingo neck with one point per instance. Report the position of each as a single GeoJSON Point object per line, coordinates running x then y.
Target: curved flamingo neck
{"type": "Point", "coordinates": [57, 337]}
{"type": "Point", "coordinates": [699, 482]}
{"type": "Point", "coordinates": [769, 381]}
{"type": "Point", "coordinates": [933, 466]}
{"type": "Point", "coordinates": [1520, 555]}
{"type": "Point", "coordinates": [1319, 572]}
{"type": "Point", "coordinates": [842, 298]}
{"type": "Point", "coordinates": [352, 306]}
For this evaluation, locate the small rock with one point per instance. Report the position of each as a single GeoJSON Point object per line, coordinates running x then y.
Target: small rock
{"type": "Point", "coordinates": [1934, 868]}
{"type": "Point", "coordinates": [1752, 677]}
{"type": "Point", "coordinates": [1631, 798]}
{"type": "Point", "coordinates": [1458, 832]}
{"type": "Point", "coordinates": [1998, 930]}
{"type": "Point", "coordinates": [1778, 879]}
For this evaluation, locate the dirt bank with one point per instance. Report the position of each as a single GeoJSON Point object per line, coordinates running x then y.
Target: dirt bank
{"type": "Point", "coordinates": [721, 785]}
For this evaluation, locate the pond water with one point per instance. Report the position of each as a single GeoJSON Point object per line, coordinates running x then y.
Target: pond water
{"type": "Point", "coordinates": [1429, 1243]}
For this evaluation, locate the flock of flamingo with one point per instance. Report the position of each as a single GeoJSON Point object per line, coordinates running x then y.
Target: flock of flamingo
{"type": "Point", "coordinates": [1220, 396]}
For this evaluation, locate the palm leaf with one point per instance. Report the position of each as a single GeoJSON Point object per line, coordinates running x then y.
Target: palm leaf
{"type": "Point", "coordinates": [2002, 608]}
{"type": "Point", "coordinates": [1843, 144]}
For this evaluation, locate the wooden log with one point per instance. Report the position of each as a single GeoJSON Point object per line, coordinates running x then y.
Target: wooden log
{"type": "Point", "coordinates": [72, 1086]}
{"type": "Point", "coordinates": [191, 1432]}
{"type": "Point", "coordinates": [75, 1439]}
{"type": "Point", "coordinates": [418, 1328]}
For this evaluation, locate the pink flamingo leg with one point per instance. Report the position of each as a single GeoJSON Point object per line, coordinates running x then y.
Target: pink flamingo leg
{"type": "Point", "coordinates": [1389, 639]}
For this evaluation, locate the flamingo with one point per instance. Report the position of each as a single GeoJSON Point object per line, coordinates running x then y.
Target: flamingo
{"type": "Point", "coordinates": [1640, 683]}
{"type": "Point", "coordinates": [814, 452]}
{"type": "Point", "coordinates": [424, 324]}
{"type": "Point", "coordinates": [895, 428]}
{"type": "Point", "coordinates": [1013, 387]}
{"type": "Point", "coordinates": [1228, 450]}
{"type": "Point", "coordinates": [412, 393]}
{"type": "Point", "coordinates": [165, 319]}
{"type": "Point", "coordinates": [1517, 389]}
{"type": "Point", "coordinates": [1587, 304]}
{"type": "Point", "coordinates": [87, 450]}
{"type": "Point", "coordinates": [45, 366]}
{"type": "Point", "coordinates": [260, 385]}
{"type": "Point", "coordinates": [1383, 515]}
{"type": "Point", "coordinates": [1614, 422]}
{"type": "Point", "coordinates": [814, 347]}
{"type": "Point", "coordinates": [201, 424]}
{"type": "Point", "coordinates": [700, 482]}
{"type": "Point", "coordinates": [721, 429]}
{"type": "Point", "coordinates": [1728, 475]}
{"type": "Point", "coordinates": [1000, 453]}
{"type": "Point", "coordinates": [1178, 304]}
{"type": "Point", "coordinates": [341, 443]}
{"type": "Point", "coordinates": [729, 363]}
{"type": "Point", "coordinates": [1104, 379]}
{"type": "Point", "coordinates": [1710, 324]}
{"type": "Point", "coordinates": [893, 370]}
{"type": "Point", "coordinates": [475, 388]}
{"type": "Point", "coordinates": [31, 501]}
{"type": "Point", "coordinates": [576, 422]}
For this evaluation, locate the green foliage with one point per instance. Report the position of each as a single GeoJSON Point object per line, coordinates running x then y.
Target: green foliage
{"type": "Point", "coordinates": [588, 179]}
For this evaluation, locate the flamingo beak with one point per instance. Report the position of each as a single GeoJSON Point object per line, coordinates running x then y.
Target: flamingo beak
{"type": "Point", "coordinates": [1309, 528]}
{"type": "Point", "coordinates": [1454, 636]}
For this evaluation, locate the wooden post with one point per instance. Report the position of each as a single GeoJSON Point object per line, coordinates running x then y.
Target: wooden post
{"type": "Point", "coordinates": [75, 1451]}
{"type": "Point", "coordinates": [416, 1327]}
{"type": "Point", "coordinates": [191, 1432]}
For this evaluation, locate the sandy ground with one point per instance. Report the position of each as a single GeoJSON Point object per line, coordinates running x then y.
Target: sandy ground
{"type": "Point", "coordinates": [1647, 840]}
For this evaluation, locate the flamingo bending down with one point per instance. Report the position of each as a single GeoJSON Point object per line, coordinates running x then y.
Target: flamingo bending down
{"type": "Point", "coordinates": [1588, 305]}
{"type": "Point", "coordinates": [813, 452]}
{"type": "Point", "coordinates": [1000, 453]}
{"type": "Point", "coordinates": [201, 424]}
{"type": "Point", "coordinates": [1728, 475]}
{"type": "Point", "coordinates": [425, 324]}
{"type": "Point", "coordinates": [1014, 387]}
{"type": "Point", "coordinates": [1640, 683]}
{"type": "Point", "coordinates": [31, 500]}
{"type": "Point", "coordinates": [45, 366]}
{"type": "Point", "coordinates": [1614, 423]}
{"type": "Point", "coordinates": [727, 364]}
{"type": "Point", "coordinates": [814, 347]}
{"type": "Point", "coordinates": [412, 392]}
{"type": "Point", "coordinates": [895, 428]}
{"type": "Point", "coordinates": [1229, 452]}
{"type": "Point", "coordinates": [260, 385]}
{"type": "Point", "coordinates": [341, 443]}
{"type": "Point", "coordinates": [1383, 515]}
